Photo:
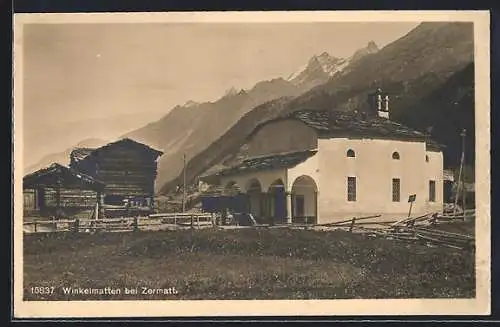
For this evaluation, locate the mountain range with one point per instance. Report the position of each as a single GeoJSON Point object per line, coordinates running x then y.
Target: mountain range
{"type": "Point", "coordinates": [322, 67]}
{"type": "Point", "coordinates": [428, 72]}
{"type": "Point", "coordinates": [191, 128]}
{"type": "Point", "coordinates": [62, 157]}
{"type": "Point", "coordinates": [417, 70]}
{"type": "Point", "coordinates": [61, 136]}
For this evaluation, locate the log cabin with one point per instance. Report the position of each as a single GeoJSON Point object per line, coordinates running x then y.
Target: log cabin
{"type": "Point", "coordinates": [58, 191]}
{"type": "Point", "coordinates": [127, 168]}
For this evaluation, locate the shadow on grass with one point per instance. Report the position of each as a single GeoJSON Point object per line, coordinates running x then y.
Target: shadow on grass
{"type": "Point", "coordinates": [246, 264]}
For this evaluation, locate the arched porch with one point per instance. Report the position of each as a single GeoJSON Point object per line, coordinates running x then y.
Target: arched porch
{"type": "Point", "coordinates": [254, 196]}
{"type": "Point", "coordinates": [304, 204]}
{"type": "Point", "coordinates": [276, 202]}
{"type": "Point", "coordinates": [235, 199]}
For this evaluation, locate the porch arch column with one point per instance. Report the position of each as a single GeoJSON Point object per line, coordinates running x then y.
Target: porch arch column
{"type": "Point", "coordinates": [288, 207]}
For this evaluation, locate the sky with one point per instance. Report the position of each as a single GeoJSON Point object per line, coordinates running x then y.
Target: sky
{"type": "Point", "coordinates": [81, 71]}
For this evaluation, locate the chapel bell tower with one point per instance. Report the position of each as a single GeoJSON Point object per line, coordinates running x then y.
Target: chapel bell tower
{"type": "Point", "coordinates": [379, 103]}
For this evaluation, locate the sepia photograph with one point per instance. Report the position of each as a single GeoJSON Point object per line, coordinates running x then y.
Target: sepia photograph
{"type": "Point", "coordinates": [259, 163]}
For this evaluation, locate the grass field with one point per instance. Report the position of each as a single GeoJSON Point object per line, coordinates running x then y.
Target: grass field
{"type": "Point", "coordinates": [243, 264]}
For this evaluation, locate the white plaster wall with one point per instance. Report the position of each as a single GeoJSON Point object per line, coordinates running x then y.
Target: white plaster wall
{"type": "Point", "coordinates": [374, 170]}
{"type": "Point", "coordinates": [308, 168]}
{"type": "Point", "coordinates": [280, 137]}
{"type": "Point", "coordinates": [434, 171]}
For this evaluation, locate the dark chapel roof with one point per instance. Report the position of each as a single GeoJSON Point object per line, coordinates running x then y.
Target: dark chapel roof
{"type": "Point", "coordinates": [274, 161]}
{"type": "Point", "coordinates": [330, 124]}
{"type": "Point", "coordinates": [353, 124]}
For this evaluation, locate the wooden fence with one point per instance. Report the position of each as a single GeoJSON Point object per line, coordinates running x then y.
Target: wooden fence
{"type": "Point", "coordinates": [466, 215]}
{"type": "Point", "coordinates": [152, 222]}
{"type": "Point", "coordinates": [162, 221]}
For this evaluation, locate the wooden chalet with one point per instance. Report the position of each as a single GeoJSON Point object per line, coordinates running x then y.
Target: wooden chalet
{"type": "Point", "coordinates": [59, 191]}
{"type": "Point", "coordinates": [127, 168]}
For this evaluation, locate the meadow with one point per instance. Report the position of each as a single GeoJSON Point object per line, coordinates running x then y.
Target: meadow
{"type": "Point", "coordinates": [248, 263]}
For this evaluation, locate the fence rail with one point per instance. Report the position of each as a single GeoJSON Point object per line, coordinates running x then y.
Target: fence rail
{"type": "Point", "coordinates": [160, 221]}
{"type": "Point", "coordinates": [153, 222]}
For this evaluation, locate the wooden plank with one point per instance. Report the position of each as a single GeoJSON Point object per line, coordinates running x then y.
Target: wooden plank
{"type": "Point", "coordinates": [59, 221]}
{"type": "Point", "coordinates": [410, 219]}
{"type": "Point", "coordinates": [349, 220]}
{"type": "Point", "coordinates": [178, 214]}
{"type": "Point", "coordinates": [444, 233]}
{"type": "Point", "coordinates": [440, 242]}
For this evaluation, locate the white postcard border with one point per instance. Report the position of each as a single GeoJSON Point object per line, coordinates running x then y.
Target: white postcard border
{"type": "Point", "coordinates": [209, 308]}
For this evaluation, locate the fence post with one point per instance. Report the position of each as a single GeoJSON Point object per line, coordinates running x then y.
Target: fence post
{"type": "Point", "coordinates": [175, 219]}
{"type": "Point", "coordinates": [192, 222]}
{"type": "Point", "coordinates": [35, 227]}
{"type": "Point", "coordinates": [198, 221]}
{"type": "Point", "coordinates": [136, 224]}
{"type": "Point", "coordinates": [76, 227]}
{"type": "Point", "coordinates": [352, 224]}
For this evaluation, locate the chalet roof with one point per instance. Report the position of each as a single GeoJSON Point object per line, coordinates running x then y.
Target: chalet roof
{"type": "Point", "coordinates": [79, 154]}
{"type": "Point", "coordinates": [283, 160]}
{"type": "Point", "coordinates": [58, 175]}
{"type": "Point", "coordinates": [130, 142]}
{"type": "Point", "coordinates": [340, 123]}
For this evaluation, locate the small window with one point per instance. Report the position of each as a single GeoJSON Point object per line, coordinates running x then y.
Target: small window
{"type": "Point", "coordinates": [351, 189]}
{"type": "Point", "coordinates": [350, 153]}
{"type": "Point", "coordinates": [432, 191]}
{"type": "Point", "coordinates": [396, 190]}
{"type": "Point", "coordinates": [395, 155]}
{"type": "Point", "coordinates": [426, 158]}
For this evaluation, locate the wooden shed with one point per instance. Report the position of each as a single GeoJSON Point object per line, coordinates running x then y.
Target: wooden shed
{"type": "Point", "coordinates": [59, 191]}
{"type": "Point", "coordinates": [127, 168]}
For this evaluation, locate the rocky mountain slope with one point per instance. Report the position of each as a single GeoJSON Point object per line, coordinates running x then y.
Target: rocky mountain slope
{"type": "Point", "coordinates": [446, 111]}
{"type": "Point", "coordinates": [191, 128]}
{"type": "Point", "coordinates": [415, 69]}
{"type": "Point", "coordinates": [321, 68]}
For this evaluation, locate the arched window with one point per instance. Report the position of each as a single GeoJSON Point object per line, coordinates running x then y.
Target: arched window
{"type": "Point", "coordinates": [350, 153]}
{"type": "Point", "coordinates": [426, 158]}
{"type": "Point", "coordinates": [395, 155]}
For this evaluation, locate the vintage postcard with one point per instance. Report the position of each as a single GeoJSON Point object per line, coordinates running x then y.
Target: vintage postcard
{"type": "Point", "coordinates": [251, 164]}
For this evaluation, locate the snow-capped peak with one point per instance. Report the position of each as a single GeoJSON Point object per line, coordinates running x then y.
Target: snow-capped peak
{"type": "Point", "coordinates": [296, 73]}
{"type": "Point", "coordinates": [318, 68]}
{"type": "Point", "coordinates": [328, 63]}
{"type": "Point", "coordinates": [323, 66]}
{"type": "Point", "coordinates": [190, 103]}
{"type": "Point", "coordinates": [231, 91]}
{"type": "Point", "coordinates": [370, 48]}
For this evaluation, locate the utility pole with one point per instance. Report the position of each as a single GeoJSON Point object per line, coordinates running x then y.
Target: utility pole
{"type": "Point", "coordinates": [58, 198]}
{"type": "Point", "coordinates": [464, 191]}
{"type": "Point", "coordinates": [184, 184]}
{"type": "Point", "coordinates": [462, 159]}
